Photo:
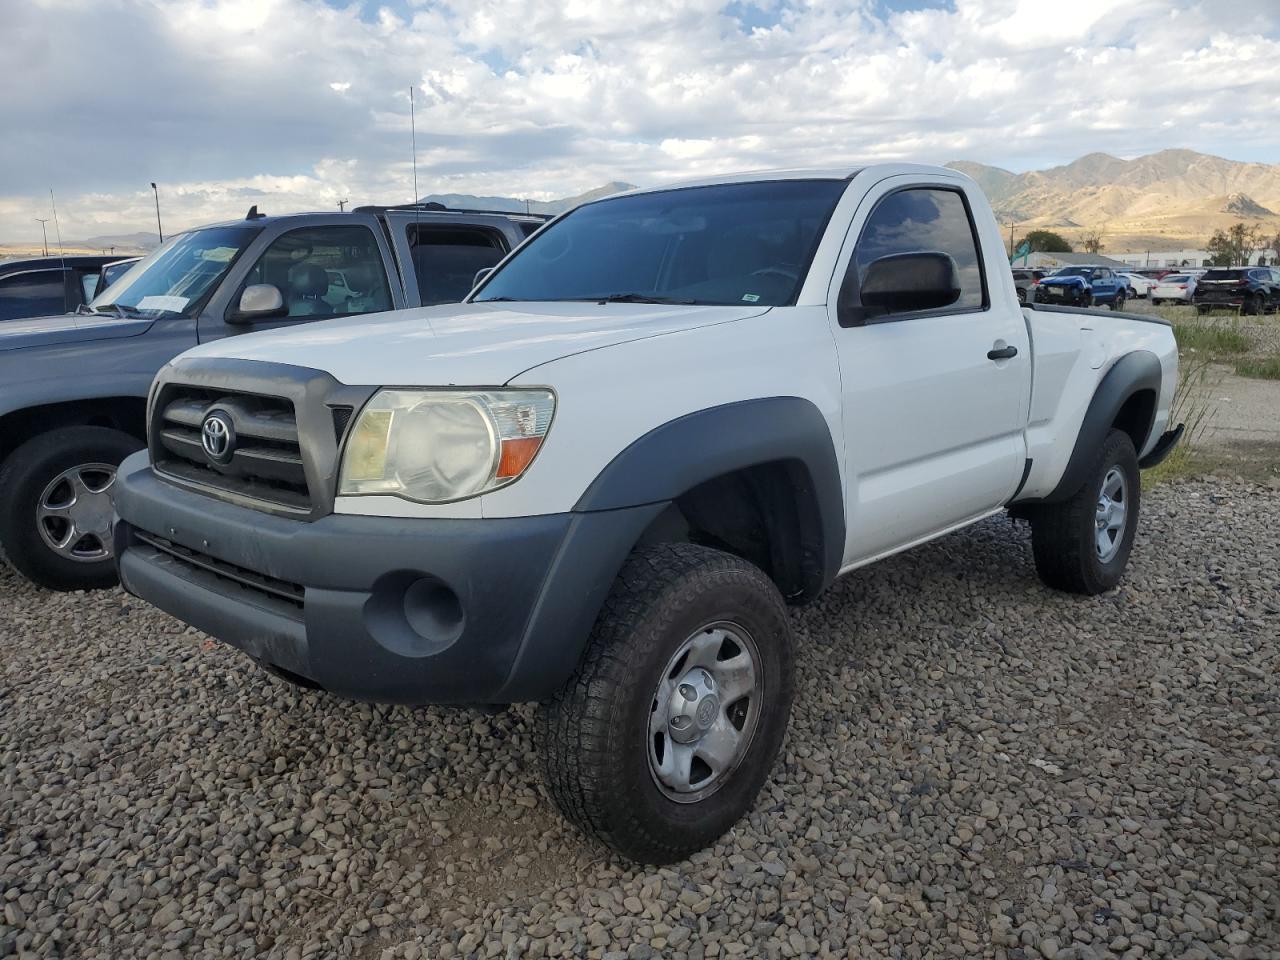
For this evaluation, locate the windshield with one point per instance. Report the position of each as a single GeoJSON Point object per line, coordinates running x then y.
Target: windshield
{"type": "Point", "coordinates": [726, 244]}
{"type": "Point", "coordinates": [1224, 275]}
{"type": "Point", "coordinates": [1177, 278]}
{"type": "Point", "coordinates": [1073, 272]}
{"type": "Point", "coordinates": [175, 278]}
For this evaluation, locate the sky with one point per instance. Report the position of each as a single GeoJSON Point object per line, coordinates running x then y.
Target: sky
{"type": "Point", "coordinates": [297, 104]}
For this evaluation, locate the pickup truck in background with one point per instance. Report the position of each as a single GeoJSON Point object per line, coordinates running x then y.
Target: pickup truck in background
{"type": "Point", "coordinates": [73, 388]}
{"type": "Point", "coordinates": [597, 483]}
{"type": "Point", "coordinates": [1083, 287]}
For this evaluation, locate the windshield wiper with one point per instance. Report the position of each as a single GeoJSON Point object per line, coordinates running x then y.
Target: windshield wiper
{"type": "Point", "coordinates": [121, 310]}
{"type": "Point", "coordinates": [640, 298]}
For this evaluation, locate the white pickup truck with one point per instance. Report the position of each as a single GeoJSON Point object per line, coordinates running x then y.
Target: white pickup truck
{"type": "Point", "coordinates": [597, 483]}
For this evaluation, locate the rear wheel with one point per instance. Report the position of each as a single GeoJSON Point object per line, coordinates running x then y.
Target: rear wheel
{"type": "Point", "coordinates": [1082, 545]}
{"type": "Point", "coordinates": [1256, 305]}
{"type": "Point", "coordinates": [55, 518]}
{"type": "Point", "coordinates": [670, 726]}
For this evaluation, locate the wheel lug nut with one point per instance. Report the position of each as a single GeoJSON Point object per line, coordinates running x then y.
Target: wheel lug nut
{"type": "Point", "coordinates": [680, 722]}
{"type": "Point", "coordinates": [687, 691]}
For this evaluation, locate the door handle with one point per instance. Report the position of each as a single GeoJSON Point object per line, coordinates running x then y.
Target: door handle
{"type": "Point", "coordinates": [1002, 353]}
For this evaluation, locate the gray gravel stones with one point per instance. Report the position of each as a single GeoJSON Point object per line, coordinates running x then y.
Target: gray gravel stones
{"type": "Point", "coordinates": [976, 767]}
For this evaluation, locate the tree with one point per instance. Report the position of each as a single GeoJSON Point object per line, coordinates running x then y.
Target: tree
{"type": "Point", "coordinates": [1233, 246]}
{"type": "Point", "coordinates": [1092, 241]}
{"type": "Point", "coordinates": [1046, 241]}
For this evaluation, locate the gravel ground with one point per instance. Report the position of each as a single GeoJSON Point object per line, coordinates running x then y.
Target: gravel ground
{"type": "Point", "coordinates": [976, 767]}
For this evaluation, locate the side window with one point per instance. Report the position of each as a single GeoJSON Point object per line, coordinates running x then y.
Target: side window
{"type": "Point", "coordinates": [924, 220]}
{"type": "Point", "coordinates": [88, 284]}
{"type": "Point", "coordinates": [1104, 274]}
{"type": "Point", "coordinates": [325, 271]}
{"type": "Point", "coordinates": [446, 259]}
{"type": "Point", "coordinates": [32, 293]}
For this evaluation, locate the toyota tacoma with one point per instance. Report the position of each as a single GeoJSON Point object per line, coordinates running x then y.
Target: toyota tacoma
{"type": "Point", "coordinates": [598, 483]}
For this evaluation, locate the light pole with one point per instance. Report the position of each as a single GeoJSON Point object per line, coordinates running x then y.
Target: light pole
{"type": "Point", "coordinates": [44, 235]}
{"type": "Point", "coordinates": [156, 190]}
{"type": "Point", "coordinates": [342, 206]}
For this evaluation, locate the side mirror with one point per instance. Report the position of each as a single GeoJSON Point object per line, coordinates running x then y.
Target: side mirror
{"type": "Point", "coordinates": [909, 282]}
{"type": "Point", "coordinates": [480, 275]}
{"type": "Point", "coordinates": [258, 302]}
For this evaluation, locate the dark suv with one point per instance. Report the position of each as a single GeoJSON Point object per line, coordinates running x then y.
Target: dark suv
{"type": "Point", "coordinates": [1253, 290]}
{"type": "Point", "coordinates": [44, 286]}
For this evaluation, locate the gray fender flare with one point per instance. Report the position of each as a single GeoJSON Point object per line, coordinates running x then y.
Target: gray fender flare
{"type": "Point", "coordinates": [1132, 373]}
{"type": "Point", "coordinates": [674, 458]}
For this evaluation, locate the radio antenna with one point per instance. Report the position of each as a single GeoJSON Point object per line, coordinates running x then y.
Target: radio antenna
{"type": "Point", "coordinates": [57, 232]}
{"type": "Point", "coordinates": [417, 207]}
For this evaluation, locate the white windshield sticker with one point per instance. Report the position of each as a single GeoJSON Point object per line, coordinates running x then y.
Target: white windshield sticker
{"type": "Point", "coordinates": [751, 297]}
{"type": "Point", "coordinates": [218, 254]}
{"type": "Point", "coordinates": [163, 303]}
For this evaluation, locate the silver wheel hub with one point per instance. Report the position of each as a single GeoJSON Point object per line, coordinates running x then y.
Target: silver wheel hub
{"type": "Point", "coordinates": [704, 712]}
{"type": "Point", "coordinates": [1111, 513]}
{"type": "Point", "coordinates": [74, 512]}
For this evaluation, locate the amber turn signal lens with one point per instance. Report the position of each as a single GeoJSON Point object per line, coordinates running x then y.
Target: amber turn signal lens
{"type": "Point", "coordinates": [517, 454]}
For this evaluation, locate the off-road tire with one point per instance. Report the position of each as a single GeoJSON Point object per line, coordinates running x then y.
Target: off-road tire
{"type": "Point", "coordinates": [24, 476]}
{"type": "Point", "coordinates": [1086, 300]}
{"type": "Point", "coordinates": [1063, 534]}
{"type": "Point", "coordinates": [1118, 302]}
{"type": "Point", "coordinates": [594, 734]}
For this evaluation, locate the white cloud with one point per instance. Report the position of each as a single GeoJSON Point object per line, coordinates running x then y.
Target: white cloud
{"type": "Point", "coordinates": [295, 104]}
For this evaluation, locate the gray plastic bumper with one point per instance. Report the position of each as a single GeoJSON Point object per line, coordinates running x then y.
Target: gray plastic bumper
{"type": "Point", "coordinates": [378, 608]}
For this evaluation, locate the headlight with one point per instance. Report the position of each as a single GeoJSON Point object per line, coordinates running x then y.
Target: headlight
{"type": "Point", "coordinates": [440, 445]}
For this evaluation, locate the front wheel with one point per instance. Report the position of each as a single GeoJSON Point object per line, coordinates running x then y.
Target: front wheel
{"type": "Point", "coordinates": [1118, 302]}
{"type": "Point", "coordinates": [55, 517]}
{"type": "Point", "coordinates": [664, 735]}
{"type": "Point", "coordinates": [1086, 300]}
{"type": "Point", "coordinates": [1082, 545]}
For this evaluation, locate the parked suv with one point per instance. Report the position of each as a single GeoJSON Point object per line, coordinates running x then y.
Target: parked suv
{"type": "Point", "coordinates": [1253, 290]}
{"type": "Point", "coordinates": [1083, 287]}
{"type": "Point", "coordinates": [1025, 281]}
{"type": "Point", "coordinates": [41, 286]}
{"type": "Point", "coordinates": [73, 388]}
{"type": "Point", "coordinates": [598, 482]}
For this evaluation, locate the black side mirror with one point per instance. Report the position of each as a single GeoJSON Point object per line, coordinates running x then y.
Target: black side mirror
{"type": "Point", "coordinates": [480, 275]}
{"type": "Point", "coordinates": [905, 283]}
{"type": "Point", "coordinates": [259, 301]}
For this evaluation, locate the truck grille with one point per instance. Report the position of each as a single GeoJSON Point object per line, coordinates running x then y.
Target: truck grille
{"type": "Point", "coordinates": [264, 461]}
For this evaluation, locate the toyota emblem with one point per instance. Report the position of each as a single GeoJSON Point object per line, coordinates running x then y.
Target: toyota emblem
{"type": "Point", "coordinates": [217, 437]}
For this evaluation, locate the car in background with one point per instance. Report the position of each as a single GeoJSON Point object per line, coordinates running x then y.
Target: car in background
{"type": "Point", "coordinates": [1253, 290]}
{"type": "Point", "coordinates": [1025, 281]}
{"type": "Point", "coordinates": [1139, 286]}
{"type": "Point", "coordinates": [1153, 273]}
{"type": "Point", "coordinates": [1175, 288]}
{"type": "Point", "coordinates": [1082, 286]}
{"type": "Point", "coordinates": [45, 286]}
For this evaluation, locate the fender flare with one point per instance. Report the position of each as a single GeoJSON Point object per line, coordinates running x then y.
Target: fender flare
{"type": "Point", "coordinates": [675, 457]}
{"type": "Point", "coordinates": [1132, 373]}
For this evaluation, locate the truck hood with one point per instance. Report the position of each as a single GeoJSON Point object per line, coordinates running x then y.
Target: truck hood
{"type": "Point", "coordinates": [68, 328]}
{"type": "Point", "coordinates": [1064, 282]}
{"type": "Point", "coordinates": [475, 344]}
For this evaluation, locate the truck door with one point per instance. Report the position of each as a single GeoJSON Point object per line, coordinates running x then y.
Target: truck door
{"type": "Point", "coordinates": [328, 266]}
{"type": "Point", "coordinates": [935, 400]}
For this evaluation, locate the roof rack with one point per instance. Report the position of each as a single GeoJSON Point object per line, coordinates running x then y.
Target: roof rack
{"type": "Point", "coordinates": [431, 206]}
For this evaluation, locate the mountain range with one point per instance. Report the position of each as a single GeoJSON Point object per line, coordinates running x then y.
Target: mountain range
{"type": "Point", "coordinates": [1170, 199]}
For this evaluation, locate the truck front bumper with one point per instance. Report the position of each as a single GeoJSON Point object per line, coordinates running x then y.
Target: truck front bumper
{"type": "Point", "coordinates": [377, 608]}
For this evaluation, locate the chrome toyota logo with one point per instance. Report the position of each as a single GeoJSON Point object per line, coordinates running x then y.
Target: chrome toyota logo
{"type": "Point", "coordinates": [217, 437]}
